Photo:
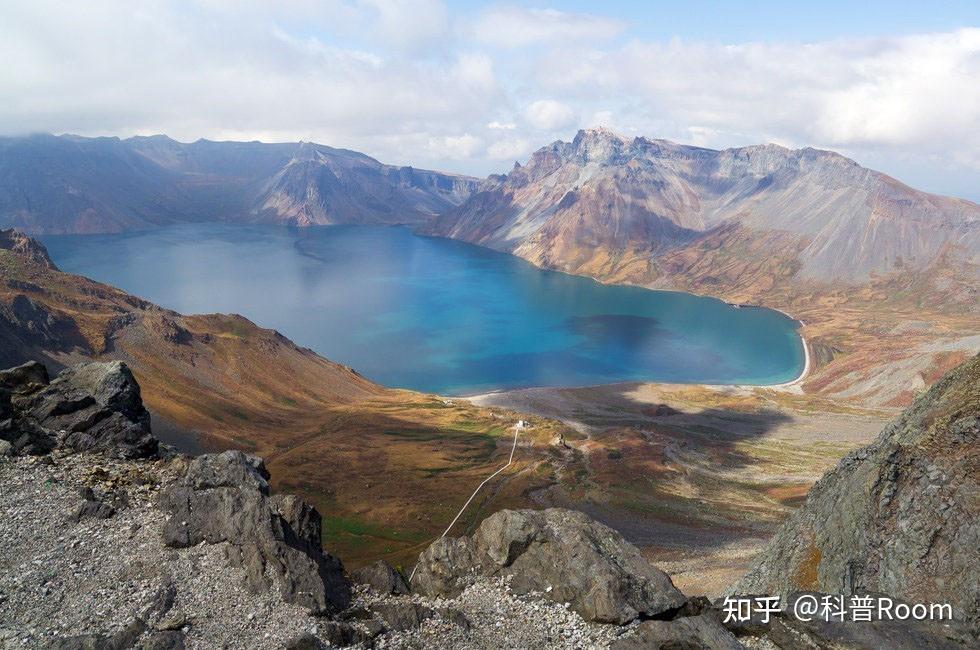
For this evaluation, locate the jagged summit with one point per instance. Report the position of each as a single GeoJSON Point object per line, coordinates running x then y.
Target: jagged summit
{"type": "Point", "coordinates": [640, 210]}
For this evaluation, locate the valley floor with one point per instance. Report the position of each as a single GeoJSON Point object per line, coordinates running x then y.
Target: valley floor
{"type": "Point", "coordinates": [697, 476]}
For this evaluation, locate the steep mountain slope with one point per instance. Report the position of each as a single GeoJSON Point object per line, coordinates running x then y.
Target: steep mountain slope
{"type": "Point", "coordinates": [71, 184]}
{"type": "Point", "coordinates": [218, 381]}
{"type": "Point", "coordinates": [621, 208]}
{"type": "Point", "coordinates": [896, 517]}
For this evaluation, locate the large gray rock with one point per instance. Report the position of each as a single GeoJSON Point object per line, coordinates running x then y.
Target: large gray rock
{"type": "Point", "coordinates": [225, 498]}
{"type": "Point", "coordinates": [402, 615]}
{"type": "Point", "coordinates": [899, 517]}
{"type": "Point", "coordinates": [27, 378]}
{"type": "Point", "coordinates": [563, 554]}
{"type": "Point", "coordinates": [382, 577]}
{"type": "Point", "coordinates": [688, 633]}
{"type": "Point", "coordinates": [91, 407]}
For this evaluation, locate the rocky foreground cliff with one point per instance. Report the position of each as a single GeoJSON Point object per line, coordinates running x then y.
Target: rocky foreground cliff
{"type": "Point", "coordinates": [901, 516]}
{"type": "Point", "coordinates": [112, 540]}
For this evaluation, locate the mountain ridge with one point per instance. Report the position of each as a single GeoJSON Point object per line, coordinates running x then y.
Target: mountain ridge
{"type": "Point", "coordinates": [73, 184]}
{"type": "Point", "coordinates": [603, 202]}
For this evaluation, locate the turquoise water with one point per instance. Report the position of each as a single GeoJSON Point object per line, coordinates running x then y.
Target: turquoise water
{"type": "Point", "coordinates": [435, 314]}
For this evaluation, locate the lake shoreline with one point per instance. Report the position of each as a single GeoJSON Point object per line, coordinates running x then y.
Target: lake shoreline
{"type": "Point", "coordinates": [807, 367]}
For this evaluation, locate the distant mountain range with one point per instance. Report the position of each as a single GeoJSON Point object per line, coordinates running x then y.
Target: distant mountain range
{"type": "Point", "coordinates": [71, 184]}
{"type": "Point", "coordinates": [640, 210]}
{"type": "Point", "coordinates": [649, 212]}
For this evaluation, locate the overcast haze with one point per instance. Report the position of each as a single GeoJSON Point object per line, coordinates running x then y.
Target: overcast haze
{"type": "Point", "coordinates": [472, 87]}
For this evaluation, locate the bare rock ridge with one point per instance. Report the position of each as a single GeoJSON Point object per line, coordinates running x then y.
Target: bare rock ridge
{"type": "Point", "coordinates": [646, 211]}
{"type": "Point", "coordinates": [900, 516]}
{"type": "Point", "coordinates": [20, 244]}
{"type": "Point", "coordinates": [71, 184]}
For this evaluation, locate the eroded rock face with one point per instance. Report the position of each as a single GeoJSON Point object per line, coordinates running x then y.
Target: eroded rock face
{"type": "Point", "coordinates": [89, 407]}
{"type": "Point", "coordinates": [563, 554]}
{"type": "Point", "coordinates": [899, 517]}
{"type": "Point", "coordinates": [225, 498]}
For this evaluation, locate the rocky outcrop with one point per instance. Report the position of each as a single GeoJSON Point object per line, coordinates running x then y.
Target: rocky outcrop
{"type": "Point", "coordinates": [562, 554]}
{"type": "Point", "coordinates": [20, 244]}
{"type": "Point", "coordinates": [225, 498]}
{"type": "Point", "coordinates": [687, 633]}
{"type": "Point", "coordinates": [89, 407]}
{"type": "Point", "coordinates": [899, 517]}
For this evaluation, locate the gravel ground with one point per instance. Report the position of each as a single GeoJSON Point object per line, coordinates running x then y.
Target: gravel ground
{"type": "Point", "coordinates": [60, 578]}
{"type": "Point", "coordinates": [498, 618]}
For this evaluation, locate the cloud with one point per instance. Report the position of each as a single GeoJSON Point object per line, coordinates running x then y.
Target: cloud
{"type": "Point", "coordinates": [121, 69]}
{"type": "Point", "coordinates": [915, 93]}
{"type": "Point", "coordinates": [399, 82]}
{"type": "Point", "coordinates": [461, 146]}
{"type": "Point", "coordinates": [510, 149]}
{"type": "Point", "coordinates": [549, 115]}
{"type": "Point", "coordinates": [513, 27]}
{"type": "Point", "coordinates": [408, 24]}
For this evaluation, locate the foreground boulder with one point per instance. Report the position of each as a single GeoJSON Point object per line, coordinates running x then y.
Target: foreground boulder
{"type": "Point", "coordinates": [225, 498]}
{"type": "Point", "coordinates": [563, 554]}
{"type": "Point", "coordinates": [382, 577]}
{"type": "Point", "coordinates": [88, 407]}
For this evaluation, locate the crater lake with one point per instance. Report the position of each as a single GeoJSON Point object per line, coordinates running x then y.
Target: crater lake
{"type": "Point", "coordinates": [439, 315]}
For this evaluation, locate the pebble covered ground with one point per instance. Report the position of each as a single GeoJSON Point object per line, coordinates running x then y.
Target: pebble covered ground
{"type": "Point", "coordinates": [61, 578]}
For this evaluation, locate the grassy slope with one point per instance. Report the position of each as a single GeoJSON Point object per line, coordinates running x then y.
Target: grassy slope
{"type": "Point", "coordinates": [387, 468]}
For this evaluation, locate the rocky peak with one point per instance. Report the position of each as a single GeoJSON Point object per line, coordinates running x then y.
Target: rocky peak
{"type": "Point", "coordinates": [598, 145]}
{"type": "Point", "coordinates": [276, 539]}
{"type": "Point", "coordinates": [20, 244]}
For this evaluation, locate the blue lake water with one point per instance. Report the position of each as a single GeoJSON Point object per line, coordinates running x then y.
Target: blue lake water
{"type": "Point", "coordinates": [435, 314]}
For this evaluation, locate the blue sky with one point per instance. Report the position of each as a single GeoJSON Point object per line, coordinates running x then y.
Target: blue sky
{"type": "Point", "coordinates": [473, 86]}
{"type": "Point", "coordinates": [736, 22]}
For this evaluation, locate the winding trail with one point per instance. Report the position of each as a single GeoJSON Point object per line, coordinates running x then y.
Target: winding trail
{"type": "Point", "coordinates": [510, 461]}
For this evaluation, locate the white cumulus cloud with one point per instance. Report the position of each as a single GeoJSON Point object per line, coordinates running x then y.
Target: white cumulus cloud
{"type": "Point", "coordinates": [549, 115]}
{"type": "Point", "coordinates": [424, 84]}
